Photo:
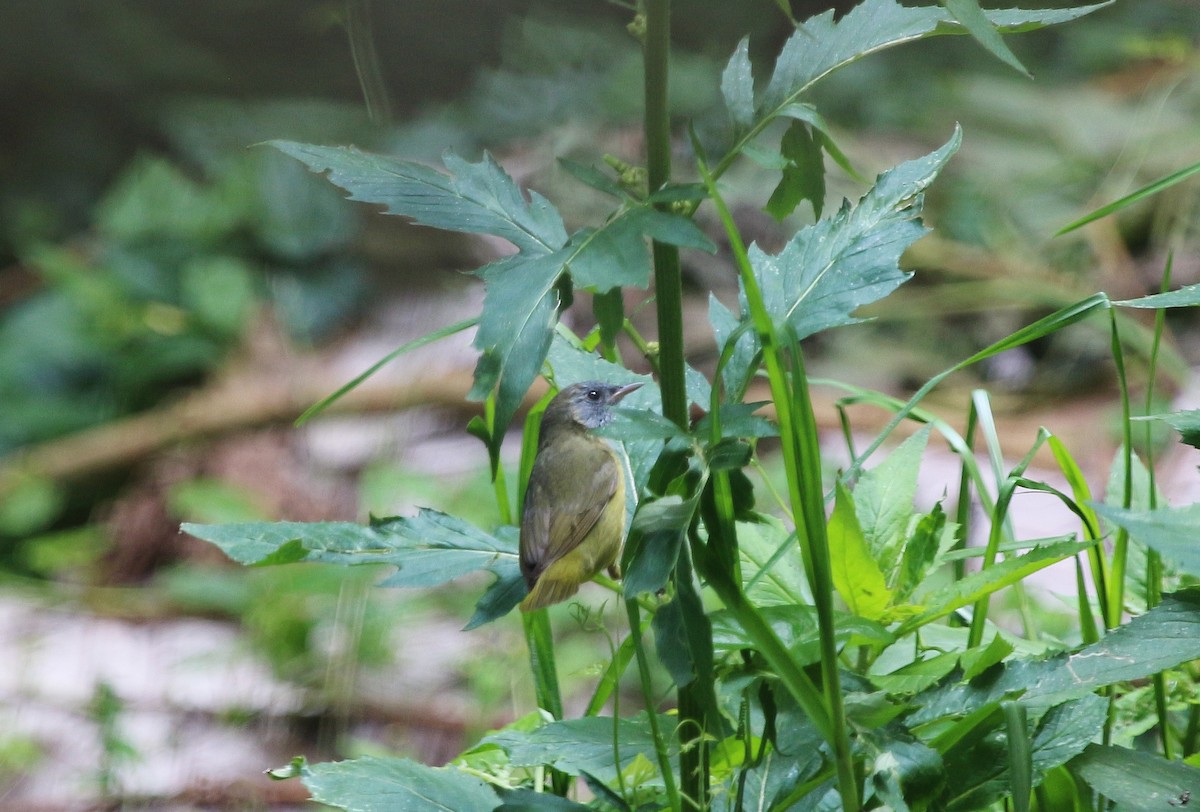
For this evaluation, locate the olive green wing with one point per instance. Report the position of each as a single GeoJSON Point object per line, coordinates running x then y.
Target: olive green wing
{"type": "Point", "coordinates": [567, 494]}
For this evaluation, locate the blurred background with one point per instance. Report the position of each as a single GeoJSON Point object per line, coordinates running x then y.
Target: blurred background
{"type": "Point", "coordinates": [173, 294]}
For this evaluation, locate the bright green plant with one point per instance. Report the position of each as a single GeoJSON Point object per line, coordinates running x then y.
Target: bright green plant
{"type": "Point", "coordinates": [820, 661]}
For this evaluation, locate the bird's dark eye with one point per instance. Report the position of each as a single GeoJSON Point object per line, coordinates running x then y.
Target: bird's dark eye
{"type": "Point", "coordinates": [593, 395]}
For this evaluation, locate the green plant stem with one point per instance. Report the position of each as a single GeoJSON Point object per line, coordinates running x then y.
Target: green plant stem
{"type": "Point", "coordinates": [1154, 576]}
{"type": "Point", "coordinates": [797, 429]}
{"type": "Point", "coordinates": [660, 744]}
{"type": "Point", "coordinates": [668, 293]}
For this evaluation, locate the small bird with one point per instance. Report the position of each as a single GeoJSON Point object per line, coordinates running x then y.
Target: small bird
{"type": "Point", "coordinates": [573, 523]}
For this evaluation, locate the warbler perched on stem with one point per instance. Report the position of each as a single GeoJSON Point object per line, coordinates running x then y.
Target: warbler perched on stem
{"type": "Point", "coordinates": [574, 517]}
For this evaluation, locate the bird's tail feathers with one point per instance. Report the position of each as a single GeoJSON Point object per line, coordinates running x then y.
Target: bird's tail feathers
{"type": "Point", "coordinates": [547, 592]}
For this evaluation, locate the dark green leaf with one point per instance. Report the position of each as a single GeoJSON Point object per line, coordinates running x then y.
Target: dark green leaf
{"type": "Point", "coordinates": [728, 455]}
{"type": "Point", "coordinates": [976, 660]}
{"type": "Point", "coordinates": [671, 642]}
{"type": "Point", "coordinates": [655, 538]}
{"type": "Point", "coordinates": [372, 784]}
{"type": "Point", "coordinates": [803, 176]}
{"type": "Point", "coordinates": [617, 254]}
{"type": "Point", "coordinates": [501, 597]}
{"type": "Point", "coordinates": [738, 420]}
{"type": "Point", "coordinates": [1136, 780]}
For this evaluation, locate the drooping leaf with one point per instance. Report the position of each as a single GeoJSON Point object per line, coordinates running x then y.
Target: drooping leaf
{"type": "Point", "coordinates": [373, 784]}
{"type": "Point", "coordinates": [836, 265]}
{"type": "Point", "coordinates": [1170, 531]}
{"type": "Point", "coordinates": [655, 538]}
{"type": "Point", "coordinates": [1136, 780]}
{"type": "Point", "coordinates": [856, 574]}
{"type": "Point", "coordinates": [803, 174]}
{"type": "Point", "coordinates": [972, 17]}
{"type": "Point", "coordinates": [520, 309]}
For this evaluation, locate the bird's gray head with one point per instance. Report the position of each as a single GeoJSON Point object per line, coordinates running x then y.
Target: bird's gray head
{"type": "Point", "coordinates": [588, 403]}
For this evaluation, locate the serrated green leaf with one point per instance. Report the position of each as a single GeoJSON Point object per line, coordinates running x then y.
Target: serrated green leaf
{"type": "Point", "coordinates": [972, 17]}
{"type": "Point", "coordinates": [372, 784]}
{"type": "Point", "coordinates": [1136, 780]}
{"type": "Point", "coordinates": [856, 575]}
{"type": "Point", "coordinates": [1170, 531]}
{"type": "Point", "coordinates": [796, 627]}
{"type": "Point", "coordinates": [836, 265]}
{"type": "Point", "coordinates": [617, 254]}
{"type": "Point", "coordinates": [575, 746]}
{"type": "Point", "coordinates": [1164, 637]}
{"type": "Point", "coordinates": [428, 549]}
{"type": "Point", "coordinates": [475, 198]}
{"type": "Point", "coordinates": [823, 45]}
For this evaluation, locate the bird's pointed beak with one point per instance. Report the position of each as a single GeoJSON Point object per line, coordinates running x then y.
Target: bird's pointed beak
{"type": "Point", "coordinates": [618, 395]}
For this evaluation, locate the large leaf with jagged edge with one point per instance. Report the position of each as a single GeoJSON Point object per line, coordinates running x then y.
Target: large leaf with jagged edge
{"type": "Point", "coordinates": [838, 264]}
{"type": "Point", "coordinates": [522, 301]}
{"type": "Point", "coordinates": [429, 549]}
